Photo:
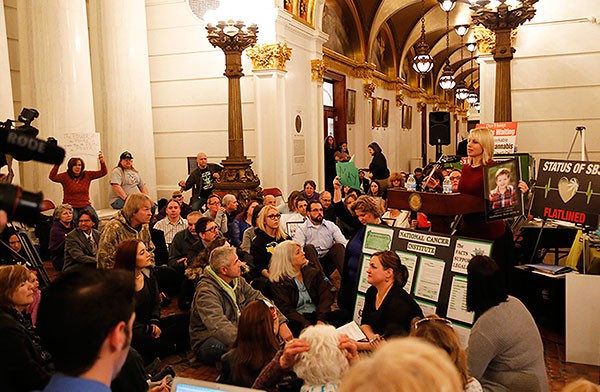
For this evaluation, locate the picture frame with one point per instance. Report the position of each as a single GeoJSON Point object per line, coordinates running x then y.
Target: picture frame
{"type": "Point", "coordinates": [351, 106]}
{"type": "Point", "coordinates": [406, 116]}
{"type": "Point", "coordinates": [376, 112]}
{"type": "Point", "coordinates": [385, 112]}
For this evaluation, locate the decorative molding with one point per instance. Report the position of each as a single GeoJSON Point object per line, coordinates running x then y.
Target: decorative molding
{"type": "Point", "coordinates": [317, 70]}
{"type": "Point", "coordinates": [399, 98]}
{"type": "Point", "coordinates": [269, 56]}
{"type": "Point", "coordinates": [369, 90]}
{"type": "Point", "coordinates": [486, 39]}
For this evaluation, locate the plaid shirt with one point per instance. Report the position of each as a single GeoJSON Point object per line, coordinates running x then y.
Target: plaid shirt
{"type": "Point", "coordinates": [504, 199]}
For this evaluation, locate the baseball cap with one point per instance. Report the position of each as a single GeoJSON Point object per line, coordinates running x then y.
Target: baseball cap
{"type": "Point", "coordinates": [177, 194]}
{"type": "Point", "coordinates": [126, 155]}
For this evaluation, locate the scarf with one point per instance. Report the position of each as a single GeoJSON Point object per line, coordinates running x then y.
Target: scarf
{"type": "Point", "coordinates": [224, 285]}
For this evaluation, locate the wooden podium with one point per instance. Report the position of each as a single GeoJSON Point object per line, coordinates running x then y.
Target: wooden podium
{"type": "Point", "coordinates": [440, 208]}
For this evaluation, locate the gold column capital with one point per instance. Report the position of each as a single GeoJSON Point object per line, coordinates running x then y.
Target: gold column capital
{"type": "Point", "coordinates": [317, 70]}
{"type": "Point", "coordinates": [269, 56]}
{"type": "Point", "coordinates": [486, 39]}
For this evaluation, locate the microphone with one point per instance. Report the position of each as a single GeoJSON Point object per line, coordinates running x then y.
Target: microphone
{"type": "Point", "coordinates": [450, 158]}
{"type": "Point", "coordinates": [24, 148]}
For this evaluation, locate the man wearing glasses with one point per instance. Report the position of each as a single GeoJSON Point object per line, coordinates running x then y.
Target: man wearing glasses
{"type": "Point", "coordinates": [323, 242]}
{"type": "Point", "coordinates": [455, 175]}
{"type": "Point", "coordinates": [207, 230]}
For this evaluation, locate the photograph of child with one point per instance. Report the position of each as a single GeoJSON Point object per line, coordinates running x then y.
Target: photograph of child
{"type": "Point", "coordinates": [504, 194]}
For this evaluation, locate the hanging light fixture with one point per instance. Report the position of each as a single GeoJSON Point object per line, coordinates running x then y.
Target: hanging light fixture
{"type": "Point", "coordinates": [471, 46]}
{"type": "Point", "coordinates": [472, 97]}
{"type": "Point", "coordinates": [447, 81]}
{"type": "Point", "coordinates": [461, 30]}
{"type": "Point", "coordinates": [447, 5]}
{"type": "Point", "coordinates": [462, 92]}
{"type": "Point", "coordinates": [422, 62]}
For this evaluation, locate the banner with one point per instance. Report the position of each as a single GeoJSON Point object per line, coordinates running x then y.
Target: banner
{"type": "Point", "coordinates": [568, 191]}
{"type": "Point", "coordinates": [505, 136]}
{"type": "Point", "coordinates": [348, 174]}
{"type": "Point", "coordinates": [84, 145]}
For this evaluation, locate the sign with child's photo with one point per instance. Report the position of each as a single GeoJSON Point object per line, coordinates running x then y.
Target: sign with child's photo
{"type": "Point", "coordinates": [503, 198]}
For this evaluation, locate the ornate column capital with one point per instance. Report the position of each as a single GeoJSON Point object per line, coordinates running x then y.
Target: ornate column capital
{"type": "Point", "coordinates": [486, 39]}
{"type": "Point", "coordinates": [317, 70]}
{"type": "Point", "coordinates": [269, 56]}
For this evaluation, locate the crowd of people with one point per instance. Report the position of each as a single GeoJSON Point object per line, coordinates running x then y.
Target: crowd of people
{"type": "Point", "coordinates": [265, 285]}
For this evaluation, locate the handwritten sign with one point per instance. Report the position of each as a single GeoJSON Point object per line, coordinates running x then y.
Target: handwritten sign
{"type": "Point", "coordinates": [348, 174]}
{"type": "Point", "coordinates": [84, 145]}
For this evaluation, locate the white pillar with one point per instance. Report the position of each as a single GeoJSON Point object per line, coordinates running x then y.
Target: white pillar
{"type": "Point", "coordinates": [55, 77]}
{"type": "Point", "coordinates": [121, 77]}
{"type": "Point", "coordinates": [6, 97]}
{"type": "Point", "coordinates": [487, 87]}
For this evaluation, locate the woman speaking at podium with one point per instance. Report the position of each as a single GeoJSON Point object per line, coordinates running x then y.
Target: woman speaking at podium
{"type": "Point", "coordinates": [480, 151]}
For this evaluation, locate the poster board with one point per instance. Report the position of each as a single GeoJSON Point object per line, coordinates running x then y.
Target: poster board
{"type": "Point", "coordinates": [437, 269]}
{"type": "Point", "coordinates": [84, 145]}
{"type": "Point", "coordinates": [568, 191]}
{"type": "Point", "coordinates": [503, 198]}
{"type": "Point", "coordinates": [505, 136]}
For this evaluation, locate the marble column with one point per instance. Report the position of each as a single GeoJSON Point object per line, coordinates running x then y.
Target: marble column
{"type": "Point", "coordinates": [121, 76]}
{"type": "Point", "coordinates": [55, 78]}
{"type": "Point", "coordinates": [6, 97]}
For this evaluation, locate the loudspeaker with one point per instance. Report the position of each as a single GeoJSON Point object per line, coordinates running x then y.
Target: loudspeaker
{"type": "Point", "coordinates": [439, 128]}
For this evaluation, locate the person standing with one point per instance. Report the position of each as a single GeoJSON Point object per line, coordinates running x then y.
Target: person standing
{"type": "Point", "coordinates": [330, 150]}
{"type": "Point", "coordinates": [76, 183]}
{"type": "Point", "coordinates": [124, 181]}
{"type": "Point", "coordinates": [201, 181]}
{"type": "Point", "coordinates": [378, 166]}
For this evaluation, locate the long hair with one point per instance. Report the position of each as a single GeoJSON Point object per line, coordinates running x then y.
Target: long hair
{"type": "Point", "coordinates": [262, 217]}
{"type": "Point", "coordinates": [72, 162]}
{"type": "Point", "coordinates": [395, 176]}
{"type": "Point", "coordinates": [390, 259]}
{"type": "Point", "coordinates": [244, 214]}
{"type": "Point", "coordinates": [127, 254]}
{"type": "Point", "coordinates": [324, 362]}
{"type": "Point", "coordinates": [333, 146]}
{"type": "Point", "coordinates": [11, 276]}
{"type": "Point", "coordinates": [435, 330]}
{"type": "Point", "coordinates": [280, 266]}
{"type": "Point", "coordinates": [255, 343]}
{"type": "Point", "coordinates": [485, 137]}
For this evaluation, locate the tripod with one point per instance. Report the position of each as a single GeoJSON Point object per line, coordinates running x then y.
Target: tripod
{"type": "Point", "coordinates": [579, 131]}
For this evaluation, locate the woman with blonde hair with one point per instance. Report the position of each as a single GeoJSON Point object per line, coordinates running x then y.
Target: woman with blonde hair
{"type": "Point", "coordinates": [480, 152]}
{"type": "Point", "coordinates": [439, 331]}
{"type": "Point", "coordinates": [63, 224]}
{"type": "Point", "coordinates": [299, 289]}
{"type": "Point", "coordinates": [268, 235]}
{"type": "Point", "coordinates": [404, 365]}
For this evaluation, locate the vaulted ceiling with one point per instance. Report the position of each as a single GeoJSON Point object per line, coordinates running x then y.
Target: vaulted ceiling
{"type": "Point", "coordinates": [385, 33]}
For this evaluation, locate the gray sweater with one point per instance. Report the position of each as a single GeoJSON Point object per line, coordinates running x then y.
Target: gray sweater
{"type": "Point", "coordinates": [505, 349]}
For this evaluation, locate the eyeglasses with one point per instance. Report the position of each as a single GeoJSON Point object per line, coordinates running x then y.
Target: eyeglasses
{"type": "Point", "coordinates": [452, 178]}
{"type": "Point", "coordinates": [433, 319]}
{"type": "Point", "coordinates": [213, 203]}
{"type": "Point", "coordinates": [274, 216]}
{"type": "Point", "coordinates": [178, 197]}
{"type": "Point", "coordinates": [213, 229]}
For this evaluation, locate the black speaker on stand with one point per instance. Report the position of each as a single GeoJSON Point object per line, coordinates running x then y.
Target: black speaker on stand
{"type": "Point", "coordinates": [439, 131]}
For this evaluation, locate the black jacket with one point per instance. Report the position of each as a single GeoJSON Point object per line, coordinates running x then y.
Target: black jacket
{"type": "Point", "coordinates": [378, 167]}
{"type": "Point", "coordinates": [285, 295]}
{"type": "Point", "coordinates": [262, 250]}
{"type": "Point", "coordinates": [24, 364]}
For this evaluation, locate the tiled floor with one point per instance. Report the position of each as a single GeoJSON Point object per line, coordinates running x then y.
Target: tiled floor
{"type": "Point", "coordinates": [559, 371]}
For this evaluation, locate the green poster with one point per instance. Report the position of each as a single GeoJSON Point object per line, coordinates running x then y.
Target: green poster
{"type": "Point", "coordinates": [348, 174]}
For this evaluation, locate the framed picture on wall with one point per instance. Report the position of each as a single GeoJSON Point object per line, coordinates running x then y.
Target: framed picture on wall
{"type": "Point", "coordinates": [406, 116]}
{"type": "Point", "coordinates": [376, 112]}
{"type": "Point", "coordinates": [351, 106]}
{"type": "Point", "coordinates": [385, 113]}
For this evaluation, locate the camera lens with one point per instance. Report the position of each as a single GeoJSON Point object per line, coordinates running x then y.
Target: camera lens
{"type": "Point", "coordinates": [20, 205]}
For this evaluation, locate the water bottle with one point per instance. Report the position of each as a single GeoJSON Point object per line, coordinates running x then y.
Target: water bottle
{"type": "Point", "coordinates": [447, 185]}
{"type": "Point", "coordinates": [411, 183]}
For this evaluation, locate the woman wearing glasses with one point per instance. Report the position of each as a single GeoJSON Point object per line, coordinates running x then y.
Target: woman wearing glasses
{"type": "Point", "coordinates": [439, 331]}
{"type": "Point", "coordinates": [216, 212]}
{"type": "Point", "coordinates": [388, 309]}
{"type": "Point", "coordinates": [505, 347]}
{"type": "Point", "coordinates": [268, 235]}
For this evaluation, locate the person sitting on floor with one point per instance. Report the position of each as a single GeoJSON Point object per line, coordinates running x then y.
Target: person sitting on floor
{"type": "Point", "coordinates": [81, 245]}
{"type": "Point", "coordinates": [219, 298]}
{"type": "Point", "coordinates": [216, 212]}
{"type": "Point", "coordinates": [173, 223]}
{"type": "Point", "coordinates": [63, 224]}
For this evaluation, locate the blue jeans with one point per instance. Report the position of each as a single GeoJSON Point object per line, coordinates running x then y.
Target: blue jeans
{"type": "Point", "coordinates": [211, 350]}
{"type": "Point", "coordinates": [197, 203]}
{"type": "Point", "coordinates": [118, 204]}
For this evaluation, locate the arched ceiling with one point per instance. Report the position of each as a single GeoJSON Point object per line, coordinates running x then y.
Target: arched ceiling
{"type": "Point", "coordinates": [388, 31]}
